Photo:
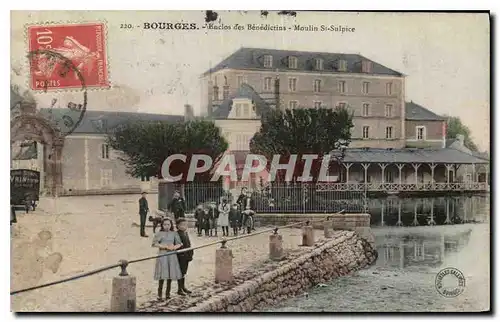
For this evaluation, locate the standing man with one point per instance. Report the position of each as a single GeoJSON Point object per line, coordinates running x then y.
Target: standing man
{"type": "Point", "coordinates": [177, 206]}
{"type": "Point", "coordinates": [143, 211]}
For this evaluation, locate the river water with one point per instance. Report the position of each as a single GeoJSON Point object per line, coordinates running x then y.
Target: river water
{"type": "Point", "coordinates": [410, 257]}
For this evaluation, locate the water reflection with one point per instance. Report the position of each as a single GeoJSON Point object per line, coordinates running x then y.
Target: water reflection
{"type": "Point", "coordinates": [394, 211]}
{"type": "Point", "coordinates": [409, 249]}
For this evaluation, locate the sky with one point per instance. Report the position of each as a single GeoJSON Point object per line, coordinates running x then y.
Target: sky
{"type": "Point", "coordinates": [445, 56]}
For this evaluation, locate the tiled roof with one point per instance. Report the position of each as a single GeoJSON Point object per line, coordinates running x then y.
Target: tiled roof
{"type": "Point", "coordinates": [451, 156]}
{"type": "Point", "coordinates": [245, 91]}
{"type": "Point", "coordinates": [94, 121]}
{"type": "Point", "coordinates": [415, 112]}
{"type": "Point", "coordinates": [252, 58]}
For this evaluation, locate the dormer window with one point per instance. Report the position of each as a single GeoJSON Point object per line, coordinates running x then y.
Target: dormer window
{"type": "Point", "coordinates": [319, 64]}
{"type": "Point", "coordinates": [268, 61]}
{"type": "Point", "coordinates": [366, 66]}
{"type": "Point", "coordinates": [292, 62]}
{"type": "Point", "coordinates": [342, 65]}
{"type": "Point", "coordinates": [242, 108]}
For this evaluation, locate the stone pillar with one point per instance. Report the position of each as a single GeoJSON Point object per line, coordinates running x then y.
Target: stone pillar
{"type": "Point", "coordinates": [328, 228]}
{"type": "Point", "coordinates": [276, 247]}
{"type": "Point", "coordinates": [123, 293]}
{"type": "Point", "coordinates": [307, 235]}
{"type": "Point", "coordinates": [223, 264]}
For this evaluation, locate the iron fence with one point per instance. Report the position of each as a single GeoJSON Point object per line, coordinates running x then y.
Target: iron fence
{"type": "Point", "coordinates": [279, 197]}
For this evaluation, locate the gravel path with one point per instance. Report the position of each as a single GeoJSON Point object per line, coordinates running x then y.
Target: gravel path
{"type": "Point", "coordinates": [94, 231]}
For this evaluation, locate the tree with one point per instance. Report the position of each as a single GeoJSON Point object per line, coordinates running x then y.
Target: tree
{"type": "Point", "coordinates": [454, 126]}
{"type": "Point", "coordinates": [302, 131]}
{"type": "Point", "coordinates": [145, 145]}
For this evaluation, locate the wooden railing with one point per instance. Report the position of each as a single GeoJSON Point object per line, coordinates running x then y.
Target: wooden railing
{"type": "Point", "coordinates": [396, 187]}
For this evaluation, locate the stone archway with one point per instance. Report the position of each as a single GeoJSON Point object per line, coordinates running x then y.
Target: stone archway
{"type": "Point", "coordinates": [29, 126]}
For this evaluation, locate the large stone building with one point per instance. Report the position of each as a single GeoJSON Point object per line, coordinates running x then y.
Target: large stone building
{"type": "Point", "coordinates": [295, 79]}
{"type": "Point", "coordinates": [396, 145]}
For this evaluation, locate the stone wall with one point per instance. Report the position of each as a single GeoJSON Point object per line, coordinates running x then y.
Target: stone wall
{"type": "Point", "coordinates": [345, 253]}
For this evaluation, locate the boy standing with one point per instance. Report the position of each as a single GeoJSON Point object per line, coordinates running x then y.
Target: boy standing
{"type": "Point", "coordinates": [143, 212]}
{"type": "Point", "coordinates": [186, 257]}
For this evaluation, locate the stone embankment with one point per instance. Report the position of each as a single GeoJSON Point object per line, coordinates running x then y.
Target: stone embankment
{"type": "Point", "coordinates": [273, 282]}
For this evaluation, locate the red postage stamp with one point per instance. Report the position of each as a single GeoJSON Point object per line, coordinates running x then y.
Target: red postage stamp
{"type": "Point", "coordinates": [81, 44]}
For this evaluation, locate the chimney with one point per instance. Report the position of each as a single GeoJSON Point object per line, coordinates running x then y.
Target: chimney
{"type": "Point", "coordinates": [460, 138]}
{"type": "Point", "coordinates": [188, 112]}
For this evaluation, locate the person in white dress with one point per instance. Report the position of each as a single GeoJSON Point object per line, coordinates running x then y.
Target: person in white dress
{"type": "Point", "coordinates": [224, 208]}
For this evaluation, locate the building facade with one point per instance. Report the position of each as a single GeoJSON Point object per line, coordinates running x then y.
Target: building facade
{"type": "Point", "coordinates": [293, 79]}
{"type": "Point", "coordinates": [396, 145]}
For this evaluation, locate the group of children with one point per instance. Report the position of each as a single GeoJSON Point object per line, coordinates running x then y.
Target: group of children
{"type": "Point", "coordinates": [209, 218]}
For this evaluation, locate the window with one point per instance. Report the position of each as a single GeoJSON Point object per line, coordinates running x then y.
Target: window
{"type": "Point", "coordinates": [268, 84]}
{"type": "Point", "coordinates": [365, 87]}
{"type": "Point", "coordinates": [216, 93]}
{"type": "Point", "coordinates": [237, 110]}
{"type": "Point", "coordinates": [268, 61]}
{"type": "Point", "coordinates": [342, 86]}
{"type": "Point", "coordinates": [388, 132]}
{"type": "Point", "coordinates": [342, 65]}
{"type": "Point", "coordinates": [317, 85]}
{"type": "Point", "coordinates": [246, 110]}
{"type": "Point", "coordinates": [293, 104]}
{"type": "Point", "coordinates": [317, 104]}
{"type": "Point", "coordinates": [341, 104]}
{"type": "Point", "coordinates": [366, 132]}
{"type": "Point", "coordinates": [241, 80]}
{"type": "Point", "coordinates": [292, 62]}
{"type": "Point", "coordinates": [319, 64]}
{"type": "Point", "coordinates": [366, 109]}
{"type": "Point", "coordinates": [366, 66]}
{"type": "Point", "coordinates": [421, 133]}
{"type": "Point", "coordinates": [292, 84]}
{"type": "Point", "coordinates": [105, 151]}
{"type": "Point", "coordinates": [388, 89]}
{"type": "Point", "coordinates": [388, 110]}
{"type": "Point", "coordinates": [106, 177]}
{"type": "Point", "coordinates": [225, 92]}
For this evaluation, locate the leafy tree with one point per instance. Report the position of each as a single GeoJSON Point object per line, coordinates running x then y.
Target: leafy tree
{"type": "Point", "coordinates": [302, 131]}
{"type": "Point", "coordinates": [454, 126]}
{"type": "Point", "coordinates": [145, 145]}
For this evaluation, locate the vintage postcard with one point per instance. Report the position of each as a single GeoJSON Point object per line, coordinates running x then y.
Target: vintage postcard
{"type": "Point", "coordinates": [250, 161]}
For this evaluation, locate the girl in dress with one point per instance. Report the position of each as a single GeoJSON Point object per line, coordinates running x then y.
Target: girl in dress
{"type": "Point", "coordinates": [167, 267]}
{"type": "Point", "coordinates": [224, 217]}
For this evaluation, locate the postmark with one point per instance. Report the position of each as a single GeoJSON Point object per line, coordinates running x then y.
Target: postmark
{"type": "Point", "coordinates": [81, 44]}
{"type": "Point", "coordinates": [69, 117]}
{"type": "Point", "coordinates": [450, 282]}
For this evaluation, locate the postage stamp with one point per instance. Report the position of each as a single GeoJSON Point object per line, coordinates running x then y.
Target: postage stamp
{"type": "Point", "coordinates": [82, 44]}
